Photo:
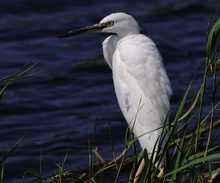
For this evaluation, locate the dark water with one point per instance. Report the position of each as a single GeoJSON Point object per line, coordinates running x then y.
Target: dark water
{"type": "Point", "coordinates": [71, 91]}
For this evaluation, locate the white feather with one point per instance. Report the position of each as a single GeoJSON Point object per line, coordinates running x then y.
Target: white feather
{"type": "Point", "coordinates": [140, 80]}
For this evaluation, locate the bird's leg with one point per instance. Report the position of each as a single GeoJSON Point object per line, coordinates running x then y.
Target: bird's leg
{"type": "Point", "coordinates": [161, 173]}
{"type": "Point", "coordinates": [162, 169]}
{"type": "Point", "coordinates": [139, 171]}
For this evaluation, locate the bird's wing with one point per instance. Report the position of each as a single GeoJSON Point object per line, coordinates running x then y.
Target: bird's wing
{"type": "Point", "coordinates": [141, 84]}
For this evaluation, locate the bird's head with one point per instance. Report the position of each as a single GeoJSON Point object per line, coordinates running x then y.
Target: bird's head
{"type": "Point", "coordinates": [121, 24]}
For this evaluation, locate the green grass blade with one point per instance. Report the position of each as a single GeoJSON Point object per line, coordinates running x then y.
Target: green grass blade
{"type": "Point", "coordinates": [213, 37]}
{"type": "Point", "coordinates": [27, 68]}
{"type": "Point", "coordinates": [200, 154]}
{"type": "Point", "coordinates": [32, 174]}
{"type": "Point", "coordinates": [194, 162]}
{"type": "Point", "coordinates": [2, 173]}
{"type": "Point", "coordinates": [208, 174]}
{"type": "Point", "coordinates": [11, 150]}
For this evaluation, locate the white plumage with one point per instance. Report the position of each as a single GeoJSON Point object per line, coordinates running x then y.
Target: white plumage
{"type": "Point", "coordinates": [141, 83]}
{"type": "Point", "coordinates": [140, 80]}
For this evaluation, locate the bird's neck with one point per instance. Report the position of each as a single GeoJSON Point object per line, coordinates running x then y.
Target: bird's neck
{"type": "Point", "coordinates": [109, 46]}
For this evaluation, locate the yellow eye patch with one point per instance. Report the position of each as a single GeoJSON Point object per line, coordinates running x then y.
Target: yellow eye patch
{"type": "Point", "coordinates": [107, 24]}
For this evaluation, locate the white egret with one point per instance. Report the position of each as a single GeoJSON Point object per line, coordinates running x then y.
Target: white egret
{"type": "Point", "coordinates": [141, 84]}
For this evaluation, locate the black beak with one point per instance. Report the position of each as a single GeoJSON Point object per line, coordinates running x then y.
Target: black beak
{"type": "Point", "coordinates": [86, 30]}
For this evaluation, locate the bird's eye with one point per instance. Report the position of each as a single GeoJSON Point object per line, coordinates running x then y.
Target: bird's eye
{"type": "Point", "coordinates": [108, 24]}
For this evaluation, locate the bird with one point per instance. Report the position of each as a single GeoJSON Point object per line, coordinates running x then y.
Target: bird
{"type": "Point", "coordinates": [141, 84]}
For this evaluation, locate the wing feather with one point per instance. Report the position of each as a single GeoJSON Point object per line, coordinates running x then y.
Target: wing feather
{"type": "Point", "coordinates": [142, 86]}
